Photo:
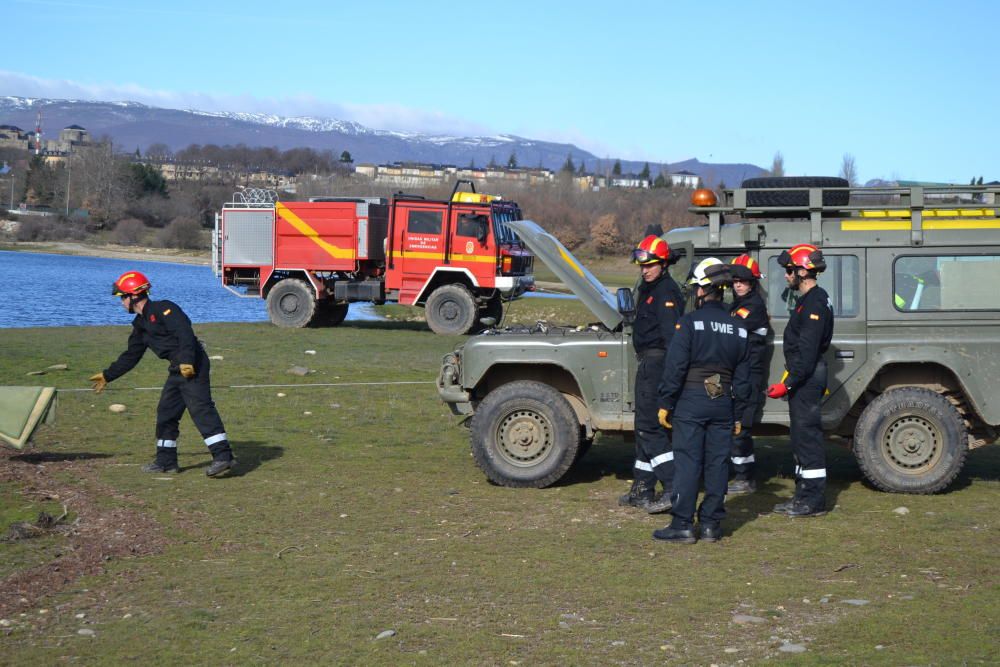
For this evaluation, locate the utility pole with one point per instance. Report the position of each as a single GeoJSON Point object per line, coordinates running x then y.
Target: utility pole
{"type": "Point", "coordinates": [69, 174]}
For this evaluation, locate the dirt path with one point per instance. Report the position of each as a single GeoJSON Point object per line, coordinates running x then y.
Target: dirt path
{"type": "Point", "coordinates": [113, 252]}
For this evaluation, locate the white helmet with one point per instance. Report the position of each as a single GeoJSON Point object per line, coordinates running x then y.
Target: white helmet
{"type": "Point", "coordinates": [698, 276]}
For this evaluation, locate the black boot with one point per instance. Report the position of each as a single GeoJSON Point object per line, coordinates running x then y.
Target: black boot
{"type": "Point", "coordinates": [165, 461]}
{"type": "Point", "coordinates": [639, 495]}
{"type": "Point", "coordinates": [661, 504]}
{"type": "Point", "coordinates": [222, 458]}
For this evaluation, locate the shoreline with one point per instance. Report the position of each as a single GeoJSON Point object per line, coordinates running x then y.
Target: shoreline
{"type": "Point", "coordinates": [109, 251]}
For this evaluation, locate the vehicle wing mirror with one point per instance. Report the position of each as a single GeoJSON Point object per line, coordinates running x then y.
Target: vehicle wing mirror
{"type": "Point", "coordinates": [626, 304]}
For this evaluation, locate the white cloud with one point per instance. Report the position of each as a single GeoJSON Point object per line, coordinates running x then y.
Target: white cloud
{"type": "Point", "coordinates": [378, 116]}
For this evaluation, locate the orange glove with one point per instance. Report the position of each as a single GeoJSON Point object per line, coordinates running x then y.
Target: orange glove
{"type": "Point", "coordinates": [662, 415]}
{"type": "Point", "coordinates": [187, 370]}
{"type": "Point", "coordinates": [777, 390]}
{"type": "Point", "coordinates": [99, 382]}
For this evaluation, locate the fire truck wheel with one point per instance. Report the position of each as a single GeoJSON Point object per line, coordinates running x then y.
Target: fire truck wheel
{"type": "Point", "coordinates": [291, 303]}
{"type": "Point", "coordinates": [525, 435]}
{"type": "Point", "coordinates": [330, 314]}
{"type": "Point", "coordinates": [451, 310]}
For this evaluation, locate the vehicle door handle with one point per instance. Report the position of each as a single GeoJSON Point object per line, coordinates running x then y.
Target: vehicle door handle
{"type": "Point", "coordinates": [845, 354]}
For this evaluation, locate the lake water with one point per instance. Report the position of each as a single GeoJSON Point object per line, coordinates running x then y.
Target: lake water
{"type": "Point", "coordinates": [43, 290]}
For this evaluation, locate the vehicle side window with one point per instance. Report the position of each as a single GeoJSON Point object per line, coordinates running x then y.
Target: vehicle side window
{"type": "Point", "coordinates": [938, 283]}
{"type": "Point", "coordinates": [840, 280]}
{"type": "Point", "coordinates": [469, 224]}
{"type": "Point", "coordinates": [424, 222]}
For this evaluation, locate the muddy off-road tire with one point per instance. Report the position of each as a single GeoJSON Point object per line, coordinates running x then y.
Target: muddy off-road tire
{"type": "Point", "coordinates": [796, 197]}
{"type": "Point", "coordinates": [451, 310]}
{"type": "Point", "coordinates": [910, 440]}
{"type": "Point", "coordinates": [525, 435]}
{"type": "Point", "coordinates": [330, 314]}
{"type": "Point", "coordinates": [291, 303]}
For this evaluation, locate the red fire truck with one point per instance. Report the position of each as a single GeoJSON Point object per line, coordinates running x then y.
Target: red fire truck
{"type": "Point", "coordinates": [310, 260]}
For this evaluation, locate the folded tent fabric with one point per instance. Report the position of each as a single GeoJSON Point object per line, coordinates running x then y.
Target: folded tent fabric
{"type": "Point", "coordinates": [22, 409]}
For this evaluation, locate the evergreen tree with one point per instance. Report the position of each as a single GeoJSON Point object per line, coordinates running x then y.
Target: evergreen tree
{"type": "Point", "coordinates": [617, 169]}
{"type": "Point", "coordinates": [660, 181]}
{"type": "Point", "coordinates": [980, 181]}
{"type": "Point", "coordinates": [644, 174]}
{"type": "Point", "coordinates": [493, 162]}
{"type": "Point", "coordinates": [512, 161]}
{"type": "Point", "coordinates": [778, 165]}
{"type": "Point", "coordinates": [568, 166]}
{"type": "Point", "coordinates": [346, 158]}
{"type": "Point", "coordinates": [582, 169]}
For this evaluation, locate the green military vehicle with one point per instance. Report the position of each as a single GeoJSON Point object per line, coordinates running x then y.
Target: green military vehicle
{"type": "Point", "coordinates": [914, 277]}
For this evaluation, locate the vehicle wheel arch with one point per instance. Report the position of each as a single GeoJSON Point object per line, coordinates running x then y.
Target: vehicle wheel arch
{"type": "Point", "coordinates": [297, 274]}
{"type": "Point", "coordinates": [442, 276]}
{"type": "Point", "coordinates": [559, 377]}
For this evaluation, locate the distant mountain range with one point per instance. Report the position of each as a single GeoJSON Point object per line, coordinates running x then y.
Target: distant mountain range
{"type": "Point", "coordinates": [132, 125]}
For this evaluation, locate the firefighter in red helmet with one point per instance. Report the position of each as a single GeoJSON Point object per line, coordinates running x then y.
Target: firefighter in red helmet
{"type": "Point", "coordinates": [749, 307]}
{"type": "Point", "coordinates": [162, 327]}
{"type": "Point", "coordinates": [807, 336]}
{"type": "Point", "coordinates": [659, 304]}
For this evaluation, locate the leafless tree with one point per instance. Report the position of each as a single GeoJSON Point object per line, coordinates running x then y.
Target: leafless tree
{"type": "Point", "coordinates": [848, 170]}
{"type": "Point", "coordinates": [778, 165]}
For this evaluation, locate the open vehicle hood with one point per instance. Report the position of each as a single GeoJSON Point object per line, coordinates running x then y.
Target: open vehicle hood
{"type": "Point", "coordinates": [569, 270]}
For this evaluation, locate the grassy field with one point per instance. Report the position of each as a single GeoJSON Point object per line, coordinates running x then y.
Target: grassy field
{"type": "Point", "coordinates": [356, 508]}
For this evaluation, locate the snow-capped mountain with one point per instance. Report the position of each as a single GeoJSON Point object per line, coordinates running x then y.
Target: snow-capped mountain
{"type": "Point", "coordinates": [133, 125]}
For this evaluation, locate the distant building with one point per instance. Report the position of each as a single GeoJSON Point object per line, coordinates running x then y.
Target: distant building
{"type": "Point", "coordinates": [12, 136]}
{"type": "Point", "coordinates": [410, 174]}
{"type": "Point", "coordinates": [630, 181]}
{"type": "Point", "coordinates": [684, 179]}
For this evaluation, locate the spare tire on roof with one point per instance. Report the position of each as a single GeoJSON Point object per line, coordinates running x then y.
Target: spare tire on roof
{"type": "Point", "coordinates": [791, 195]}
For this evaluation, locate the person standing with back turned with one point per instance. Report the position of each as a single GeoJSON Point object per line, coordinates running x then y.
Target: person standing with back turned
{"type": "Point", "coordinates": [659, 304]}
{"type": "Point", "coordinates": [162, 327]}
{"type": "Point", "coordinates": [807, 336]}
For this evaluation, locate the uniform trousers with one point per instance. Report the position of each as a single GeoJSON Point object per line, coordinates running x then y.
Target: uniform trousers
{"type": "Point", "coordinates": [742, 458]}
{"type": "Point", "coordinates": [703, 439]}
{"type": "Point", "coordinates": [191, 394]}
{"type": "Point", "coordinates": [654, 459]}
{"type": "Point", "coordinates": [807, 438]}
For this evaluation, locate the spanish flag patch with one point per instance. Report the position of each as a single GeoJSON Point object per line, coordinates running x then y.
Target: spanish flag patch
{"type": "Point", "coordinates": [743, 312]}
{"type": "Point", "coordinates": [813, 316]}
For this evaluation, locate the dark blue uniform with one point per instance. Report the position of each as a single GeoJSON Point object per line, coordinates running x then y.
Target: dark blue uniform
{"type": "Point", "coordinates": [708, 341]}
{"type": "Point", "coordinates": [659, 306]}
{"type": "Point", "coordinates": [752, 311]}
{"type": "Point", "coordinates": [807, 336]}
{"type": "Point", "coordinates": [164, 328]}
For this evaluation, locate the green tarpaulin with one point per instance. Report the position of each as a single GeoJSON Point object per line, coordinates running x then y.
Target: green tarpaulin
{"type": "Point", "coordinates": [22, 409]}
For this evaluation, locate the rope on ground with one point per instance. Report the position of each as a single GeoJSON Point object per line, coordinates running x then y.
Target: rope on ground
{"type": "Point", "coordinates": [272, 386]}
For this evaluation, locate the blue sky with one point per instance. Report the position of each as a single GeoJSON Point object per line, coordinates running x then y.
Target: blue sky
{"type": "Point", "coordinates": [910, 89]}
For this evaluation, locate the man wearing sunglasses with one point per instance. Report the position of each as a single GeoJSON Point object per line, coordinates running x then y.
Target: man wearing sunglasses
{"type": "Point", "coordinates": [162, 327]}
{"type": "Point", "coordinates": [659, 304]}
{"type": "Point", "coordinates": [807, 336]}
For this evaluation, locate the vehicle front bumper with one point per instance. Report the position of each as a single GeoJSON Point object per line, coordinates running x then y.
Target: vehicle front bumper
{"type": "Point", "coordinates": [449, 389]}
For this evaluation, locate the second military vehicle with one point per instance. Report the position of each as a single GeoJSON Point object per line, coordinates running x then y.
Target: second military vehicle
{"type": "Point", "coordinates": [914, 276]}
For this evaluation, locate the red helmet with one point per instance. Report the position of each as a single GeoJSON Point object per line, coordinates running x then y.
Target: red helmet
{"type": "Point", "coordinates": [745, 267]}
{"type": "Point", "coordinates": [651, 250]}
{"type": "Point", "coordinates": [803, 256]}
{"type": "Point", "coordinates": [131, 283]}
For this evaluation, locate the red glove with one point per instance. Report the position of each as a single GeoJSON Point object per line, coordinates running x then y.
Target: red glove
{"type": "Point", "coordinates": [777, 390]}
